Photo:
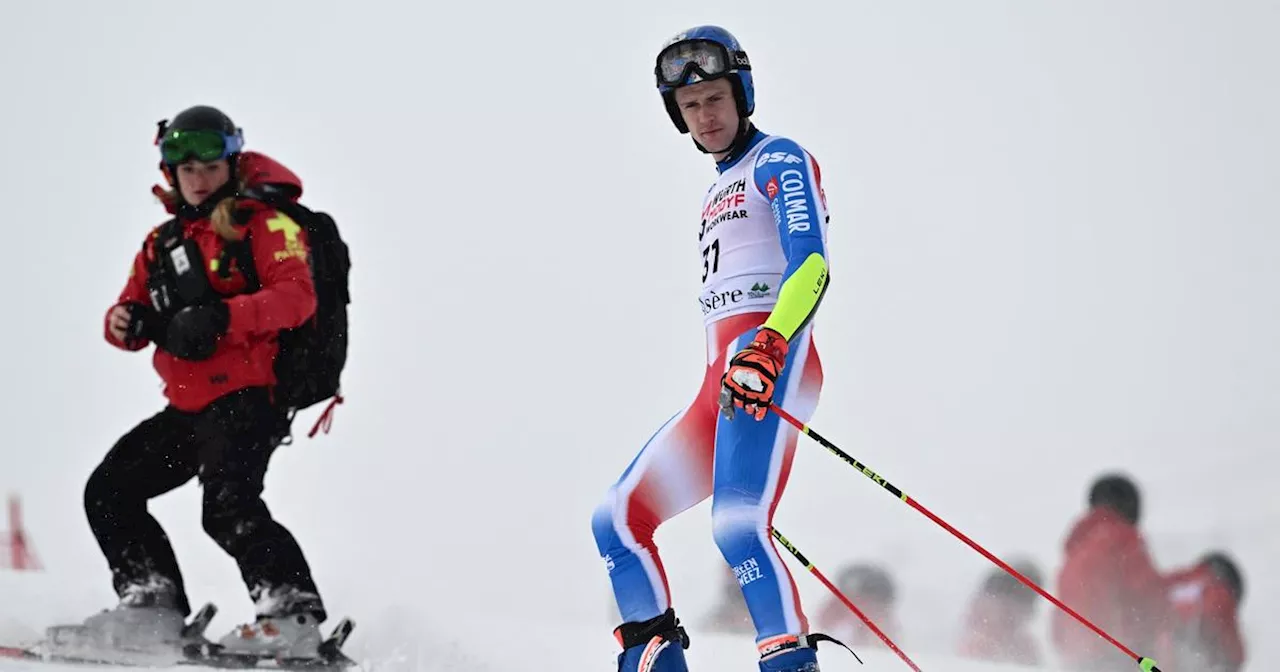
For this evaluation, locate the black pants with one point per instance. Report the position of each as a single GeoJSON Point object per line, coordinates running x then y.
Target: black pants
{"type": "Point", "coordinates": [228, 445]}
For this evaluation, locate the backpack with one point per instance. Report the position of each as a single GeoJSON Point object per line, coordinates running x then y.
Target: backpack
{"type": "Point", "coordinates": [312, 356]}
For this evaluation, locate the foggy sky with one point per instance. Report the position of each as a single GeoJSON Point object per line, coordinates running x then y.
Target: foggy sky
{"type": "Point", "coordinates": [1053, 245]}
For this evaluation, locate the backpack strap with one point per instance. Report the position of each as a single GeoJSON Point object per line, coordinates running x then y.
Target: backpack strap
{"type": "Point", "coordinates": [268, 194]}
{"type": "Point", "coordinates": [273, 197]}
{"type": "Point", "coordinates": [242, 252]}
{"type": "Point", "coordinates": [150, 252]}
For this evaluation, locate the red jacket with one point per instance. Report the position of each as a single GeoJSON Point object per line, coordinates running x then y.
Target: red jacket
{"type": "Point", "coordinates": [1108, 577]}
{"type": "Point", "coordinates": [996, 630]}
{"type": "Point", "coordinates": [1202, 632]}
{"type": "Point", "coordinates": [245, 355]}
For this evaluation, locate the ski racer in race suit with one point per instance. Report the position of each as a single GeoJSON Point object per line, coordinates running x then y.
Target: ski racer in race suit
{"type": "Point", "coordinates": [1109, 578]}
{"type": "Point", "coordinates": [215, 339]}
{"type": "Point", "coordinates": [1203, 629]}
{"type": "Point", "coordinates": [762, 252]}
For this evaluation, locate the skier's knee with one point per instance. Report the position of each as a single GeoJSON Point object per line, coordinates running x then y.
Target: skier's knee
{"type": "Point", "coordinates": [737, 528]}
{"type": "Point", "coordinates": [228, 528]}
{"type": "Point", "coordinates": [602, 522]}
{"type": "Point", "coordinates": [228, 520]}
{"type": "Point", "coordinates": [102, 497]}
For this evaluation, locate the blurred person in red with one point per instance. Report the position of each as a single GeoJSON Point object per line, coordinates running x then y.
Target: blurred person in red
{"type": "Point", "coordinates": [1202, 632]}
{"type": "Point", "coordinates": [871, 588]}
{"type": "Point", "coordinates": [1108, 577]}
{"type": "Point", "coordinates": [997, 626]}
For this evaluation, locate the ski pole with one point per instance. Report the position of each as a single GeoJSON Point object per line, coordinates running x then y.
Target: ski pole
{"type": "Point", "coordinates": [839, 595]}
{"type": "Point", "coordinates": [1147, 664]}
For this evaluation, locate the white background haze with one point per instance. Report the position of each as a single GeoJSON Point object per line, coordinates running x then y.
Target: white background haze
{"type": "Point", "coordinates": [1053, 246]}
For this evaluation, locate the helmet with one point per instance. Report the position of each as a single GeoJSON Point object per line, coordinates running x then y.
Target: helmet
{"type": "Point", "coordinates": [203, 118]}
{"type": "Point", "coordinates": [200, 132]}
{"type": "Point", "coordinates": [1003, 584]}
{"type": "Point", "coordinates": [702, 54]}
{"type": "Point", "coordinates": [1225, 569]}
{"type": "Point", "coordinates": [1117, 491]}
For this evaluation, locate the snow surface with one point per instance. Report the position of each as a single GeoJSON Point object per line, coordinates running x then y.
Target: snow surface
{"type": "Point", "coordinates": [413, 640]}
{"type": "Point", "coordinates": [1053, 249]}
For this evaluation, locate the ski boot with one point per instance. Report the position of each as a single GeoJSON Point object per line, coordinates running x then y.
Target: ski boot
{"type": "Point", "coordinates": [145, 627]}
{"type": "Point", "coordinates": [286, 631]}
{"type": "Point", "coordinates": [655, 645]}
{"type": "Point", "coordinates": [287, 626]}
{"type": "Point", "coordinates": [286, 636]}
{"type": "Point", "coordinates": [794, 653]}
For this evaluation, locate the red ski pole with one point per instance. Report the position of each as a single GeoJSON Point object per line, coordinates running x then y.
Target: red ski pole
{"type": "Point", "coordinates": [839, 595]}
{"type": "Point", "coordinates": [1147, 664]}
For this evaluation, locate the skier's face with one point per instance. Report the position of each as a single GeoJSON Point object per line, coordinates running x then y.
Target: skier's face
{"type": "Point", "coordinates": [198, 179]}
{"type": "Point", "coordinates": [710, 112]}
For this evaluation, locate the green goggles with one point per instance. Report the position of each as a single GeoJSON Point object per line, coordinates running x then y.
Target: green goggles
{"type": "Point", "coordinates": [178, 146]}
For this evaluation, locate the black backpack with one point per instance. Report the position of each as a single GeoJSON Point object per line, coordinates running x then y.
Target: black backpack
{"type": "Point", "coordinates": [309, 365]}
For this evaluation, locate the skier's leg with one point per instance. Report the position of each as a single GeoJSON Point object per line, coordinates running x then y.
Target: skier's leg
{"type": "Point", "coordinates": [237, 435]}
{"type": "Point", "coordinates": [150, 460]}
{"type": "Point", "coordinates": [672, 473]}
{"type": "Point", "coordinates": [753, 462]}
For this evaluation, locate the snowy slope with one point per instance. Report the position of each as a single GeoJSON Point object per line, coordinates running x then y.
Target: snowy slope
{"type": "Point", "coordinates": [412, 641]}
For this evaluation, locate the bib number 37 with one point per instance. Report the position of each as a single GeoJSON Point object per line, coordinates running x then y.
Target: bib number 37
{"type": "Point", "coordinates": [710, 259]}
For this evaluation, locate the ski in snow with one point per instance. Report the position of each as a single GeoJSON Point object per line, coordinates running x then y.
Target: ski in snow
{"type": "Point", "coordinates": [195, 650]}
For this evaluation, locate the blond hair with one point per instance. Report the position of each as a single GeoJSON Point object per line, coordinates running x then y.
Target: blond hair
{"type": "Point", "coordinates": [222, 217]}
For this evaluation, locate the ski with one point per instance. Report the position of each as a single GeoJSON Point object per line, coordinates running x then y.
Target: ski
{"type": "Point", "coordinates": [196, 652]}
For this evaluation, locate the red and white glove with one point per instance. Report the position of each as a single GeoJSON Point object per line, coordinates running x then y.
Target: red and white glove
{"type": "Point", "coordinates": [753, 374]}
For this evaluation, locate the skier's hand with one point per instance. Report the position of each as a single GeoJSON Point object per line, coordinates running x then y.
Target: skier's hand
{"type": "Point", "coordinates": [753, 374]}
{"type": "Point", "coordinates": [194, 331]}
{"type": "Point", "coordinates": [118, 322]}
{"type": "Point", "coordinates": [134, 323]}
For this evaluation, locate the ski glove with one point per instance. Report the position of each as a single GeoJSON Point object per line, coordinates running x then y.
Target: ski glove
{"type": "Point", "coordinates": [194, 331]}
{"type": "Point", "coordinates": [753, 373]}
{"type": "Point", "coordinates": [145, 324]}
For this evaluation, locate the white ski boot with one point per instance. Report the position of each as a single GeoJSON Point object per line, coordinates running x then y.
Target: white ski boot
{"type": "Point", "coordinates": [145, 627]}
{"type": "Point", "coordinates": [286, 636]}
{"type": "Point", "coordinates": [286, 628]}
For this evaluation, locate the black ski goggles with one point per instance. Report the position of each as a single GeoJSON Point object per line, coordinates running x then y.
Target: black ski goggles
{"type": "Point", "coordinates": [706, 58]}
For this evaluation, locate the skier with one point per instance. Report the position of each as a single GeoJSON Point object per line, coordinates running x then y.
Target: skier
{"type": "Point", "coordinates": [1203, 631]}
{"type": "Point", "coordinates": [997, 627]}
{"type": "Point", "coordinates": [190, 293]}
{"type": "Point", "coordinates": [762, 245]}
{"type": "Point", "coordinates": [1109, 578]}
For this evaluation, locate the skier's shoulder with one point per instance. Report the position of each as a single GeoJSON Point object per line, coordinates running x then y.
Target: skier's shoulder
{"type": "Point", "coordinates": [784, 149]}
{"type": "Point", "coordinates": [777, 155]}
